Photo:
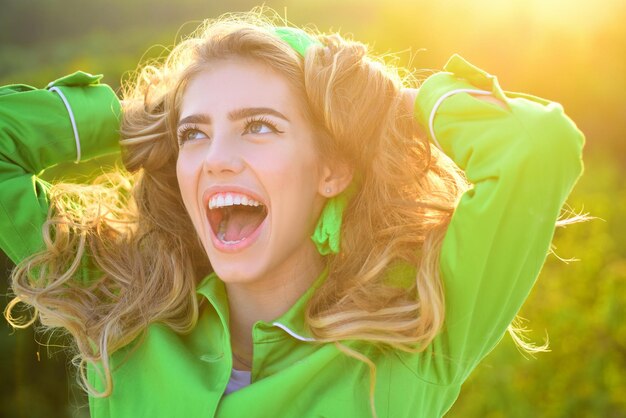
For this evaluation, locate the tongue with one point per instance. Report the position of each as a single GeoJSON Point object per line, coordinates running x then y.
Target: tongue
{"type": "Point", "coordinates": [241, 223]}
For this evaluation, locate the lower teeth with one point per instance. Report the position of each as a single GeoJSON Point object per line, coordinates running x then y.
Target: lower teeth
{"type": "Point", "coordinates": [222, 237]}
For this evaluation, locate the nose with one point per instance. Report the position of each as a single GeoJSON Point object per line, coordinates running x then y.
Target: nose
{"type": "Point", "coordinates": [223, 156]}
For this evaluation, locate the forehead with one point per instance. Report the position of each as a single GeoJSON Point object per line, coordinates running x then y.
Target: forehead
{"type": "Point", "coordinates": [235, 83]}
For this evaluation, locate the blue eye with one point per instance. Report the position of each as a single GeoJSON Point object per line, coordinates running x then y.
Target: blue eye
{"type": "Point", "coordinates": [260, 126]}
{"type": "Point", "coordinates": [257, 127]}
{"type": "Point", "coordinates": [189, 133]}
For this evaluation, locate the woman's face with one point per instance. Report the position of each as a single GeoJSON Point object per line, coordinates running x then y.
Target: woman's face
{"type": "Point", "coordinates": [248, 170]}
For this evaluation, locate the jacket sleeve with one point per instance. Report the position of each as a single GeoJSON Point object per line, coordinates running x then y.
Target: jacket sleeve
{"type": "Point", "coordinates": [75, 118]}
{"type": "Point", "coordinates": [522, 162]}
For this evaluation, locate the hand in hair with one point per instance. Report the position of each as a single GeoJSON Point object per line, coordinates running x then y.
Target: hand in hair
{"type": "Point", "coordinates": [491, 99]}
{"type": "Point", "coordinates": [410, 94]}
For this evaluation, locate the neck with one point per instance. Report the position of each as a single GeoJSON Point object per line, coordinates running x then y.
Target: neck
{"type": "Point", "coordinates": [265, 299]}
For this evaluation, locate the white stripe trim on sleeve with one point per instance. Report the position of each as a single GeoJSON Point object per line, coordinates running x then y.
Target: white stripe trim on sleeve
{"type": "Point", "coordinates": [69, 111]}
{"type": "Point", "coordinates": [431, 119]}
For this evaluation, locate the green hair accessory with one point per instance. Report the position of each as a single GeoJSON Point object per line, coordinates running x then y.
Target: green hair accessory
{"type": "Point", "coordinates": [298, 39]}
{"type": "Point", "coordinates": [327, 234]}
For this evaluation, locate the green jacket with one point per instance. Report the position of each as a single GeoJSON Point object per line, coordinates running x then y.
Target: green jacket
{"type": "Point", "coordinates": [523, 162]}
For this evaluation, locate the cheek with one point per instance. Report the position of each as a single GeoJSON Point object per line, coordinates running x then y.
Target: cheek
{"type": "Point", "coordinates": [291, 180]}
{"type": "Point", "coordinates": [283, 170]}
{"type": "Point", "coordinates": [186, 175]}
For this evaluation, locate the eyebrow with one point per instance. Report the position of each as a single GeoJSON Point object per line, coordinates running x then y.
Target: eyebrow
{"type": "Point", "coordinates": [236, 114]}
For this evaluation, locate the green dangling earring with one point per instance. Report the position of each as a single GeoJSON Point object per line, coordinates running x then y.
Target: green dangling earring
{"type": "Point", "coordinates": [327, 234]}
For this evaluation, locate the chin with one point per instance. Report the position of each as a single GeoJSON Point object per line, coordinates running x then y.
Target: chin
{"type": "Point", "coordinates": [233, 268]}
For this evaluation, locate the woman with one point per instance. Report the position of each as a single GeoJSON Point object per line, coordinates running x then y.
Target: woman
{"type": "Point", "coordinates": [291, 241]}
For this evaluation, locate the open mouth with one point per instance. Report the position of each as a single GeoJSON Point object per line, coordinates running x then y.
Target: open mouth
{"type": "Point", "coordinates": [234, 217]}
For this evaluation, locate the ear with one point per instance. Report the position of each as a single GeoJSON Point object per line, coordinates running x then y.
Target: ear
{"type": "Point", "coordinates": [335, 178]}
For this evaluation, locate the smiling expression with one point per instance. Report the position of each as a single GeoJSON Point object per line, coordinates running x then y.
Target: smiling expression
{"type": "Point", "coordinates": [248, 171]}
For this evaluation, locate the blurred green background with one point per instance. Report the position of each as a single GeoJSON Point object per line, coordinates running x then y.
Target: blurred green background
{"type": "Point", "coordinates": [573, 52]}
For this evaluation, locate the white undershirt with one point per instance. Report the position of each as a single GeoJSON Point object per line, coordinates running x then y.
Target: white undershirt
{"type": "Point", "coordinates": [238, 379]}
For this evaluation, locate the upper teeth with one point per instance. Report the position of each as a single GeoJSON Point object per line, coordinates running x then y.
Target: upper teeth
{"type": "Point", "coordinates": [229, 199]}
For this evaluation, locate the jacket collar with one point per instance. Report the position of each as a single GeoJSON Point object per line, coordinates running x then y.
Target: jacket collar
{"type": "Point", "coordinates": [291, 322]}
